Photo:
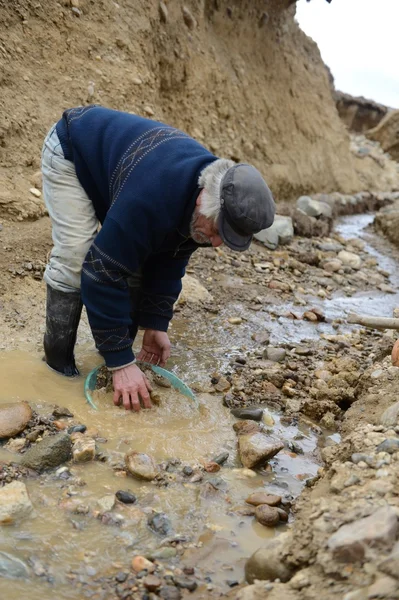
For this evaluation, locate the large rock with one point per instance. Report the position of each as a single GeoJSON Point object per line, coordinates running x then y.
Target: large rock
{"type": "Point", "coordinates": [12, 567]}
{"type": "Point", "coordinates": [349, 542]}
{"type": "Point", "coordinates": [350, 259]}
{"type": "Point", "coordinates": [14, 417]}
{"type": "Point", "coordinates": [14, 502]}
{"type": "Point", "coordinates": [257, 448]}
{"type": "Point", "coordinates": [387, 134]}
{"type": "Point", "coordinates": [307, 226]}
{"type": "Point", "coordinates": [281, 232]}
{"type": "Point", "coordinates": [314, 208]}
{"type": "Point", "coordinates": [193, 291]}
{"type": "Point", "coordinates": [49, 453]}
{"type": "Point", "coordinates": [267, 562]}
{"type": "Point", "coordinates": [141, 465]}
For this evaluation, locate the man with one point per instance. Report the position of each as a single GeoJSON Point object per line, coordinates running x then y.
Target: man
{"type": "Point", "coordinates": [158, 195]}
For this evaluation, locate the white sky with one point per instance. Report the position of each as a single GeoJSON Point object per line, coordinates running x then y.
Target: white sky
{"type": "Point", "coordinates": [358, 40]}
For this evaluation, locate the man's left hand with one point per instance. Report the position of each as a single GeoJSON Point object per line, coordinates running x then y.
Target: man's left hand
{"type": "Point", "coordinates": [156, 347]}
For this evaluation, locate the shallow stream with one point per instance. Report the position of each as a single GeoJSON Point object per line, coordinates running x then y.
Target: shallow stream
{"type": "Point", "coordinates": [59, 542]}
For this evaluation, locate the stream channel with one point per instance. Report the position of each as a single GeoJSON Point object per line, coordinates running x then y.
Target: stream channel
{"type": "Point", "coordinates": [62, 542]}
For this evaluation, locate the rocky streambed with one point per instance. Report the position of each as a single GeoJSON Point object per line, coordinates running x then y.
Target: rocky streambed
{"type": "Point", "coordinates": [172, 502]}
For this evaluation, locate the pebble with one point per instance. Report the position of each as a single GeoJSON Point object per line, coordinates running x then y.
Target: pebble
{"type": "Point", "coordinates": [159, 523]}
{"type": "Point", "coordinates": [390, 445]}
{"type": "Point", "coordinates": [121, 577]}
{"type": "Point", "coordinates": [35, 192]}
{"type": "Point", "coordinates": [254, 414]}
{"type": "Point", "coordinates": [15, 445]}
{"type": "Point", "coordinates": [258, 498]}
{"type": "Point", "coordinates": [140, 563]}
{"type": "Point", "coordinates": [310, 316]}
{"type": "Point", "coordinates": [125, 497]}
{"type": "Point", "coordinates": [283, 515]}
{"type": "Point", "coordinates": [60, 411]}
{"type": "Point", "coordinates": [84, 449]}
{"type": "Point", "coordinates": [268, 419]}
{"type": "Point", "coordinates": [106, 503]}
{"type": "Point", "coordinates": [220, 459]}
{"type": "Point", "coordinates": [267, 515]}
{"type": "Point", "coordinates": [169, 592]}
{"type": "Point", "coordinates": [257, 448]}
{"type": "Point", "coordinates": [141, 466]}
{"type": "Point", "coordinates": [212, 467]}
{"type": "Point", "coordinates": [295, 447]}
{"type": "Point", "coordinates": [163, 554]}
{"type": "Point", "coordinates": [77, 429]}
{"type": "Point", "coordinates": [14, 417]}
{"type": "Point", "coordinates": [12, 567]}
{"type": "Point", "coordinates": [188, 471]}
{"type": "Point", "coordinates": [185, 583]}
{"type": "Point", "coordinates": [358, 457]}
{"type": "Point", "coordinates": [235, 320]}
{"type": "Point", "coordinates": [152, 583]}
{"type": "Point", "coordinates": [275, 354]}
{"type": "Point", "coordinates": [390, 417]}
{"type": "Point", "coordinates": [15, 503]}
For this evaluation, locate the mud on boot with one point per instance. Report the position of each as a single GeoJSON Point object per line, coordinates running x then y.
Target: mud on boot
{"type": "Point", "coordinates": [63, 312]}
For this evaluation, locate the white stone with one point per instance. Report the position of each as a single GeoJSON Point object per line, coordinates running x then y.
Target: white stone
{"type": "Point", "coordinates": [257, 448]}
{"type": "Point", "coordinates": [193, 291]}
{"type": "Point", "coordinates": [14, 502]}
{"type": "Point", "coordinates": [350, 259]}
{"type": "Point", "coordinates": [313, 208]}
{"type": "Point", "coordinates": [84, 449]}
{"type": "Point", "coordinates": [281, 232]}
{"type": "Point", "coordinates": [141, 465]}
{"type": "Point", "coordinates": [106, 503]}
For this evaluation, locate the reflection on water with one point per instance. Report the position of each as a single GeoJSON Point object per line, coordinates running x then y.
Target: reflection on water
{"type": "Point", "coordinates": [177, 429]}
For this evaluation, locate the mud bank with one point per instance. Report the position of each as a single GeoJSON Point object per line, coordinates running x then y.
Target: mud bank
{"type": "Point", "coordinates": [223, 71]}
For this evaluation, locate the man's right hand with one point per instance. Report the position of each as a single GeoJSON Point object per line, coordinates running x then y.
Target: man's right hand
{"type": "Point", "coordinates": [131, 384]}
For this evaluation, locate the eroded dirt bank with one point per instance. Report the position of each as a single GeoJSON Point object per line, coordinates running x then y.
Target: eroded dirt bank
{"type": "Point", "coordinates": [240, 76]}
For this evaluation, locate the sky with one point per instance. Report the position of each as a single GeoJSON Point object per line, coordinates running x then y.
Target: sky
{"type": "Point", "coordinates": [358, 40]}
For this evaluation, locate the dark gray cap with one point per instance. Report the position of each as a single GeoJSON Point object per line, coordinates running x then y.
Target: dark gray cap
{"type": "Point", "coordinates": [246, 206]}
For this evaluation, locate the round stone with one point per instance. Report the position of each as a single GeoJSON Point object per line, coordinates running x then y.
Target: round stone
{"type": "Point", "coordinates": [125, 497]}
{"type": "Point", "coordinates": [267, 515]}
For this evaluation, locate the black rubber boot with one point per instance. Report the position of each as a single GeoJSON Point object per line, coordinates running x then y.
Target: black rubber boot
{"type": "Point", "coordinates": [63, 312]}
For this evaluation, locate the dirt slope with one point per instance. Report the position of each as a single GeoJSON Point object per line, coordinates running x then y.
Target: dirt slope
{"type": "Point", "coordinates": [238, 75]}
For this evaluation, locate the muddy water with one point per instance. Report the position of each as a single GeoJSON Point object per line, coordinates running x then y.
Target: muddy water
{"type": "Point", "coordinates": [177, 429]}
{"type": "Point", "coordinates": [62, 542]}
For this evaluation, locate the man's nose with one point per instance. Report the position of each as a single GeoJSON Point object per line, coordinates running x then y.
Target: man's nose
{"type": "Point", "coordinates": [216, 241]}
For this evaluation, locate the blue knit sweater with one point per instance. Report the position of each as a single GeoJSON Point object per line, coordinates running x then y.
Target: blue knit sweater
{"type": "Point", "coordinates": [142, 177]}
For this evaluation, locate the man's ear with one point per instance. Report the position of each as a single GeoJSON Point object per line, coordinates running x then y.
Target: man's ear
{"type": "Point", "coordinates": [199, 198]}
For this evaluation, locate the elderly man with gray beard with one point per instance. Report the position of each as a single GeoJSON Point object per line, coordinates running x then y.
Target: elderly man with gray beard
{"type": "Point", "coordinates": [130, 199]}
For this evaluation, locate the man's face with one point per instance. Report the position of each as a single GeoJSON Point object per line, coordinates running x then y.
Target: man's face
{"type": "Point", "coordinates": [204, 230]}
